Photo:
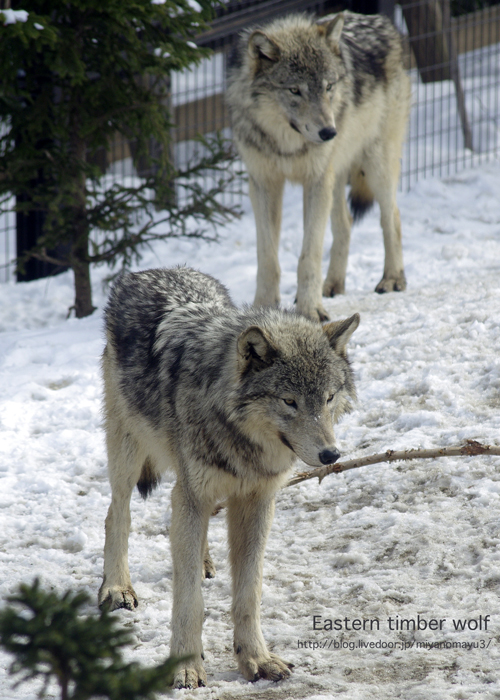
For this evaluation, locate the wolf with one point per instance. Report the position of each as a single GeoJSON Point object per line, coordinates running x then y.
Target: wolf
{"type": "Point", "coordinates": [228, 398]}
{"type": "Point", "coordinates": [320, 103]}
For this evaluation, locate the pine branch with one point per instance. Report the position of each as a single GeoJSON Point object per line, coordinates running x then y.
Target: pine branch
{"type": "Point", "coordinates": [106, 73]}
{"type": "Point", "coordinates": [470, 448]}
{"type": "Point", "coordinates": [51, 639]}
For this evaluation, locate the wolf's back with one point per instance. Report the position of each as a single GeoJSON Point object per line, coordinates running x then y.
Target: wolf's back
{"type": "Point", "coordinates": [179, 300]}
{"type": "Point", "coordinates": [139, 300]}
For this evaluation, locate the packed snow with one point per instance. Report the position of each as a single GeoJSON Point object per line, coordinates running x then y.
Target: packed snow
{"type": "Point", "coordinates": [390, 543]}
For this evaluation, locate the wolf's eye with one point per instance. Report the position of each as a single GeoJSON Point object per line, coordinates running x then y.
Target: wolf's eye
{"type": "Point", "coordinates": [329, 399]}
{"type": "Point", "coordinates": [290, 402]}
{"type": "Point", "coordinates": [329, 87]}
{"type": "Point", "coordinates": [294, 90]}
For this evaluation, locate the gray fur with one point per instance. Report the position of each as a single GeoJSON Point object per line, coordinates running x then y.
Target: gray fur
{"type": "Point", "coordinates": [322, 104]}
{"type": "Point", "coordinates": [228, 398]}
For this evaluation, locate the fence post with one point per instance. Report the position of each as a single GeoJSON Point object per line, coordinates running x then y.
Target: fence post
{"type": "Point", "coordinates": [455, 75]}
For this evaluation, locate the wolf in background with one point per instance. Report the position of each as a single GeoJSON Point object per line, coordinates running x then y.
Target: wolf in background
{"type": "Point", "coordinates": [321, 104]}
{"type": "Point", "coordinates": [229, 399]}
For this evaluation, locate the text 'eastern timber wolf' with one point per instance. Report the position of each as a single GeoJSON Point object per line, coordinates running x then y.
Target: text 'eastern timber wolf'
{"type": "Point", "coordinates": [228, 398]}
{"type": "Point", "coordinates": [321, 104]}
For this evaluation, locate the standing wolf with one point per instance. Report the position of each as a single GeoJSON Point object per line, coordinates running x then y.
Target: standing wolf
{"type": "Point", "coordinates": [229, 399]}
{"type": "Point", "coordinates": [321, 104]}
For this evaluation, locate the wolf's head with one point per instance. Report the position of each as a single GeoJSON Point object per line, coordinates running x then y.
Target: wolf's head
{"type": "Point", "coordinates": [295, 382]}
{"type": "Point", "coordinates": [296, 64]}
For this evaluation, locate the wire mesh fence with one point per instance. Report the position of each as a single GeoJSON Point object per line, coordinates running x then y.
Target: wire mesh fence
{"type": "Point", "coordinates": [454, 65]}
{"type": "Point", "coordinates": [453, 57]}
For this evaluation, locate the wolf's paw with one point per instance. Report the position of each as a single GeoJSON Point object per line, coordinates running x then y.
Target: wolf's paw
{"type": "Point", "coordinates": [270, 667]}
{"type": "Point", "coordinates": [391, 284]}
{"type": "Point", "coordinates": [313, 313]}
{"type": "Point", "coordinates": [114, 597]}
{"type": "Point", "coordinates": [331, 289]}
{"type": "Point", "coordinates": [321, 315]}
{"type": "Point", "coordinates": [190, 675]}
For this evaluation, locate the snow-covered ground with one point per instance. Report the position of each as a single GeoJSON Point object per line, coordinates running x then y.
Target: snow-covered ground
{"type": "Point", "coordinates": [409, 541]}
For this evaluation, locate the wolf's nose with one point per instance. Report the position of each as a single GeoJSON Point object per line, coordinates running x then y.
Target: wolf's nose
{"type": "Point", "coordinates": [329, 456]}
{"type": "Point", "coordinates": [327, 133]}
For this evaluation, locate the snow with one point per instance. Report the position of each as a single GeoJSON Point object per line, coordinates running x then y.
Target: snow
{"type": "Point", "coordinates": [13, 16]}
{"type": "Point", "coordinates": [404, 541]}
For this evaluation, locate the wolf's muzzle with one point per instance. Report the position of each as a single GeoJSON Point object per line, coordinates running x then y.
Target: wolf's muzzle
{"type": "Point", "coordinates": [327, 133]}
{"type": "Point", "coordinates": [329, 456]}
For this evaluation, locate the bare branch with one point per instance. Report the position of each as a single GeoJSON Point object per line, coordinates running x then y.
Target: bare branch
{"type": "Point", "coordinates": [45, 257]}
{"type": "Point", "coordinates": [470, 448]}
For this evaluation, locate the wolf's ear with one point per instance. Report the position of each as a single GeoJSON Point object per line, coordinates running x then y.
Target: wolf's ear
{"type": "Point", "coordinates": [333, 30]}
{"type": "Point", "coordinates": [255, 350]}
{"type": "Point", "coordinates": [339, 332]}
{"type": "Point", "coordinates": [261, 47]}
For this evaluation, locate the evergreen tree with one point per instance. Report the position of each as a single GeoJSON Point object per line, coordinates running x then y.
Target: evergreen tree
{"type": "Point", "coordinates": [74, 75]}
{"type": "Point", "coordinates": [51, 640]}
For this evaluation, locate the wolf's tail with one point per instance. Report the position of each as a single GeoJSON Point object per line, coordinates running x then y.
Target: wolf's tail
{"type": "Point", "coordinates": [148, 479]}
{"type": "Point", "coordinates": [360, 196]}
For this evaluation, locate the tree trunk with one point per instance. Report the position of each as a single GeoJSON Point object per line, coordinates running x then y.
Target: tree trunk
{"type": "Point", "coordinates": [83, 288]}
{"type": "Point", "coordinates": [80, 255]}
{"type": "Point", "coordinates": [80, 244]}
{"type": "Point", "coordinates": [79, 261]}
{"type": "Point", "coordinates": [427, 39]}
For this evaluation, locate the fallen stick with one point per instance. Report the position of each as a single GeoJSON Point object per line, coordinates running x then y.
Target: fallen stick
{"type": "Point", "coordinates": [470, 448]}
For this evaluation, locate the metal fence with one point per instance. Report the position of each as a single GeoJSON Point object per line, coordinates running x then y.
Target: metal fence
{"type": "Point", "coordinates": [454, 64]}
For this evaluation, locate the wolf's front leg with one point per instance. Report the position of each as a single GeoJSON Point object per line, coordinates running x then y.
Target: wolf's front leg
{"type": "Point", "coordinates": [394, 276]}
{"type": "Point", "coordinates": [249, 521]}
{"type": "Point", "coordinates": [383, 181]}
{"type": "Point", "coordinates": [266, 197]}
{"type": "Point", "coordinates": [318, 195]}
{"type": "Point", "coordinates": [188, 537]}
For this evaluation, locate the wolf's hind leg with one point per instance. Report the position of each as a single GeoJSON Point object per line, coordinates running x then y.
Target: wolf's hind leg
{"type": "Point", "coordinates": [208, 564]}
{"type": "Point", "coordinates": [249, 521]}
{"type": "Point", "coordinates": [341, 230]}
{"type": "Point", "coordinates": [382, 175]}
{"type": "Point", "coordinates": [124, 467]}
{"type": "Point", "coordinates": [394, 279]}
